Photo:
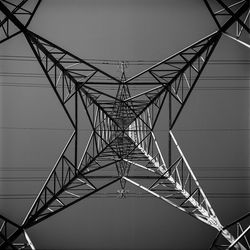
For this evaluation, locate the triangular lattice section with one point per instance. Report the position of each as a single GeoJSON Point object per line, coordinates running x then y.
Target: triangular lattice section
{"type": "Point", "coordinates": [7, 229]}
{"type": "Point", "coordinates": [232, 17]}
{"type": "Point", "coordinates": [177, 74]}
{"type": "Point", "coordinates": [240, 229]}
{"type": "Point", "coordinates": [23, 10]}
{"type": "Point", "coordinates": [68, 74]}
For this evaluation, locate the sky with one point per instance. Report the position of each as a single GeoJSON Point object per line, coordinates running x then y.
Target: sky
{"type": "Point", "coordinates": [213, 130]}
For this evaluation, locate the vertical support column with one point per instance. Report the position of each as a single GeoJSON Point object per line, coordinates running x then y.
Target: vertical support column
{"type": "Point", "coordinates": [76, 128]}
{"type": "Point", "coordinates": [169, 127]}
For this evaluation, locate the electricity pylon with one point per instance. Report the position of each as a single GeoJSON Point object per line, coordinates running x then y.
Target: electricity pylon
{"type": "Point", "coordinates": [123, 120]}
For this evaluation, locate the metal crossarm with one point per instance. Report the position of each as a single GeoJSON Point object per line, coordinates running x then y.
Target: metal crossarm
{"type": "Point", "coordinates": [176, 183]}
{"type": "Point", "coordinates": [68, 74]}
{"type": "Point", "coordinates": [238, 11]}
{"type": "Point", "coordinates": [68, 182]}
{"type": "Point", "coordinates": [7, 229]}
{"type": "Point", "coordinates": [177, 74]}
{"type": "Point", "coordinates": [23, 10]}
{"type": "Point", "coordinates": [241, 228]}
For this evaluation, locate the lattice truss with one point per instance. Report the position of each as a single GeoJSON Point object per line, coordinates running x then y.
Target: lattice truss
{"type": "Point", "coordinates": [122, 121]}
{"type": "Point", "coordinates": [241, 230]}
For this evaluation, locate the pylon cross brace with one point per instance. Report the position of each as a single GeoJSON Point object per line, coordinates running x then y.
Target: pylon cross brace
{"type": "Point", "coordinates": [123, 120]}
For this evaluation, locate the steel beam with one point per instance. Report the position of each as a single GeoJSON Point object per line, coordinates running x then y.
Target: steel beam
{"type": "Point", "coordinates": [8, 229]}
{"type": "Point", "coordinates": [241, 227]}
{"type": "Point", "coordinates": [231, 14]}
{"type": "Point", "coordinates": [13, 12]}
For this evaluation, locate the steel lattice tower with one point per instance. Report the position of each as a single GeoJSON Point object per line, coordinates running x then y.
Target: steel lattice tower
{"type": "Point", "coordinates": [122, 123]}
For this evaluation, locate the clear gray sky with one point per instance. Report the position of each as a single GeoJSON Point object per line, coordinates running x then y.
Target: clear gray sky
{"type": "Point", "coordinates": [213, 129]}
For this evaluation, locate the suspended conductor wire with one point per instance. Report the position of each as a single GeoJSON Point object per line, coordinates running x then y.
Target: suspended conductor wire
{"type": "Point", "coordinates": [117, 61]}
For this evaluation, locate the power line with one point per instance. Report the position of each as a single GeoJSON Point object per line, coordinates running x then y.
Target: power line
{"type": "Point", "coordinates": [202, 178]}
{"type": "Point", "coordinates": [198, 169]}
{"type": "Point", "coordinates": [116, 61]}
{"type": "Point", "coordinates": [201, 88]}
{"type": "Point", "coordinates": [128, 195]}
{"type": "Point", "coordinates": [208, 77]}
{"type": "Point", "coordinates": [155, 130]}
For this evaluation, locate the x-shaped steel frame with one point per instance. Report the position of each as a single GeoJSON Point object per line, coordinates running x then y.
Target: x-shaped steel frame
{"type": "Point", "coordinates": [122, 123]}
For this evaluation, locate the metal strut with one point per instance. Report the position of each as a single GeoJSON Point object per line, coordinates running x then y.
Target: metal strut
{"type": "Point", "coordinates": [238, 11]}
{"type": "Point", "coordinates": [7, 228]}
{"type": "Point", "coordinates": [23, 10]}
{"type": "Point", "coordinates": [241, 227]}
